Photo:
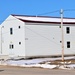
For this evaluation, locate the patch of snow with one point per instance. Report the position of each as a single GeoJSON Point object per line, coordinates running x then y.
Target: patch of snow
{"type": "Point", "coordinates": [63, 67]}
{"type": "Point", "coordinates": [40, 66]}
{"type": "Point", "coordinates": [72, 66]}
{"type": "Point", "coordinates": [36, 63]}
{"type": "Point", "coordinates": [48, 66]}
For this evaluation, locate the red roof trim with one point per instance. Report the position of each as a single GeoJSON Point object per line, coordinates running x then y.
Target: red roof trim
{"type": "Point", "coordinates": [40, 16]}
{"type": "Point", "coordinates": [46, 22]}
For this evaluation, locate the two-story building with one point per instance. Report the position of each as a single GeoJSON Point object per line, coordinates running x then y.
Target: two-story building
{"type": "Point", "coordinates": [31, 36]}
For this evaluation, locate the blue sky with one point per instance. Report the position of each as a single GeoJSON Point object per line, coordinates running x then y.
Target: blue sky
{"type": "Point", "coordinates": [35, 7]}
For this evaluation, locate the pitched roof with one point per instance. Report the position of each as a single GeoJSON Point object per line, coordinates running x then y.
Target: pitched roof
{"type": "Point", "coordinates": [44, 19]}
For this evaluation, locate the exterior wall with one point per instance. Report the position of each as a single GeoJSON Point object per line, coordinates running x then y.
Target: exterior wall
{"type": "Point", "coordinates": [45, 40]}
{"type": "Point", "coordinates": [69, 37]}
{"type": "Point", "coordinates": [14, 39]}
{"type": "Point", "coordinates": [0, 39]}
{"type": "Point", "coordinates": [37, 39]}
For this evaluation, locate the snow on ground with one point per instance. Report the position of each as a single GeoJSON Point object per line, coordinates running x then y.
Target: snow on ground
{"type": "Point", "coordinates": [36, 63]}
{"type": "Point", "coordinates": [27, 62]}
{"type": "Point", "coordinates": [71, 65]}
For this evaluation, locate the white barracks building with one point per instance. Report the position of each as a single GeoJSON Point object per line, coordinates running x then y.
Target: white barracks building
{"type": "Point", "coordinates": [31, 36]}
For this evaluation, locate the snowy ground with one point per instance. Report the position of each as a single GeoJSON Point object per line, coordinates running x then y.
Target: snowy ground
{"type": "Point", "coordinates": [36, 63]}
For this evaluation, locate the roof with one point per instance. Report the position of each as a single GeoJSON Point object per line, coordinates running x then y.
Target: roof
{"type": "Point", "coordinates": [44, 19]}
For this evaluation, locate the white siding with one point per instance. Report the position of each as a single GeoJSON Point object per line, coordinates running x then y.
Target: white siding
{"type": "Point", "coordinates": [0, 39]}
{"type": "Point", "coordinates": [17, 36]}
{"type": "Point", "coordinates": [37, 39]}
{"type": "Point", "coordinates": [43, 40]}
{"type": "Point", "coordinates": [69, 37]}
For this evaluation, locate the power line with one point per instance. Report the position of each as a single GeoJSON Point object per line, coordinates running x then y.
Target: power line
{"type": "Point", "coordinates": [48, 12]}
{"type": "Point", "coordinates": [42, 36]}
{"type": "Point", "coordinates": [36, 15]}
{"type": "Point", "coordinates": [69, 9]}
{"type": "Point", "coordinates": [35, 33]}
{"type": "Point", "coordinates": [32, 31]}
{"type": "Point", "coordinates": [43, 14]}
{"type": "Point", "coordinates": [23, 26]}
{"type": "Point", "coordinates": [55, 11]}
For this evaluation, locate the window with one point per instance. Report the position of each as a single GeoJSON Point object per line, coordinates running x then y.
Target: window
{"type": "Point", "coordinates": [11, 31]}
{"type": "Point", "coordinates": [19, 27]}
{"type": "Point", "coordinates": [11, 46]}
{"type": "Point", "coordinates": [2, 26]}
{"type": "Point", "coordinates": [68, 44]}
{"type": "Point", "coordinates": [67, 30]}
{"type": "Point", "coordinates": [59, 26]}
{"type": "Point", "coordinates": [60, 41]}
{"type": "Point", "coordinates": [19, 43]}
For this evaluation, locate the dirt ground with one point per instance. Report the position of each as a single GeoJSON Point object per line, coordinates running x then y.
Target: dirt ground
{"type": "Point", "coordinates": [68, 61]}
{"type": "Point", "coordinates": [6, 70]}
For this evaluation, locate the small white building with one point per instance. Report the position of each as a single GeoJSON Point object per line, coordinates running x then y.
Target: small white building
{"type": "Point", "coordinates": [31, 36]}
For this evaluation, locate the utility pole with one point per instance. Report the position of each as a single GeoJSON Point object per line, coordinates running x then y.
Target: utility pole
{"type": "Point", "coordinates": [62, 34]}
